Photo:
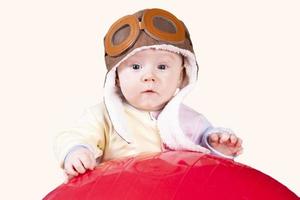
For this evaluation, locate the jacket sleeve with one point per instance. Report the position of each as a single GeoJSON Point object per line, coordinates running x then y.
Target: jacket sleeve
{"type": "Point", "coordinates": [196, 127]}
{"type": "Point", "coordinates": [88, 132]}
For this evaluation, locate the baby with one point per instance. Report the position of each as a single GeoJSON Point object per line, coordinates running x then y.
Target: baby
{"type": "Point", "coordinates": [151, 68]}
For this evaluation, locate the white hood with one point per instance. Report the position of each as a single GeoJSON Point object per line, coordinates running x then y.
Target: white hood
{"type": "Point", "coordinates": [168, 121]}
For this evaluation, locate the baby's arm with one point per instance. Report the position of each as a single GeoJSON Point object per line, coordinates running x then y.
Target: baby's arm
{"type": "Point", "coordinates": [77, 148]}
{"type": "Point", "coordinates": [219, 141]}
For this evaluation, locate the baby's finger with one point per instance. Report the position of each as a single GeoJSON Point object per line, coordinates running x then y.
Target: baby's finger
{"type": "Point", "coordinates": [87, 162]}
{"type": "Point", "coordinates": [67, 178]}
{"type": "Point", "coordinates": [239, 142]}
{"type": "Point", "coordinates": [224, 137]}
{"type": "Point", "coordinates": [79, 166]}
{"type": "Point", "coordinates": [239, 152]}
{"type": "Point", "coordinates": [93, 162]}
{"type": "Point", "coordinates": [233, 139]}
{"type": "Point", "coordinates": [213, 138]}
{"type": "Point", "coordinates": [70, 170]}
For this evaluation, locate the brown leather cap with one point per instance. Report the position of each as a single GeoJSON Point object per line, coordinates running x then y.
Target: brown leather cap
{"type": "Point", "coordinates": [145, 39]}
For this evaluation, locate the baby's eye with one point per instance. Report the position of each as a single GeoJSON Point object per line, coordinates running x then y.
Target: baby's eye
{"type": "Point", "coordinates": [135, 66]}
{"type": "Point", "coordinates": [162, 67]}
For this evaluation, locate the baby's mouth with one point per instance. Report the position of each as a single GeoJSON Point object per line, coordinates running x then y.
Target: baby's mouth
{"type": "Point", "coordinates": [149, 91]}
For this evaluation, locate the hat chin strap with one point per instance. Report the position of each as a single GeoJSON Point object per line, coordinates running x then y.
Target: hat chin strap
{"type": "Point", "coordinates": [168, 120]}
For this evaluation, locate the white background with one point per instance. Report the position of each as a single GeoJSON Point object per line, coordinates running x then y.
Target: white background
{"type": "Point", "coordinates": [52, 68]}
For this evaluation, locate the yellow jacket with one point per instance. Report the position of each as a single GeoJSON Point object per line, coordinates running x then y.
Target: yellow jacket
{"type": "Point", "coordinates": [95, 131]}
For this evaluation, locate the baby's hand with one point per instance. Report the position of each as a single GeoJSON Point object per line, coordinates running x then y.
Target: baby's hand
{"type": "Point", "coordinates": [228, 144]}
{"type": "Point", "coordinates": [78, 161]}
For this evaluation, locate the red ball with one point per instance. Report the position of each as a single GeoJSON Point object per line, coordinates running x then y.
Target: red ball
{"type": "Point", "coordinates": [172, 175]}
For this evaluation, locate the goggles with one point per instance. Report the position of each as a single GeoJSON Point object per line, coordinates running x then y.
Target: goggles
{"type": "Point", "coordinates": [157, 23]}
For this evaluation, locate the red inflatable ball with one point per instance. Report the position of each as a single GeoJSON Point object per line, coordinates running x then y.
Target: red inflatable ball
{"type": "Point", "coordinates": [172, 175]}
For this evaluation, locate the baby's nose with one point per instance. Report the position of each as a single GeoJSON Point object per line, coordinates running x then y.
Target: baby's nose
{"type": "Point", "coordinates": [149, 76]}
{"type": "Point", "coordinates": [147, 79]}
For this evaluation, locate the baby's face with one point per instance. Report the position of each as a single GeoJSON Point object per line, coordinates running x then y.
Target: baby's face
{"type": "Point", "coordinates": [149, 78]}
